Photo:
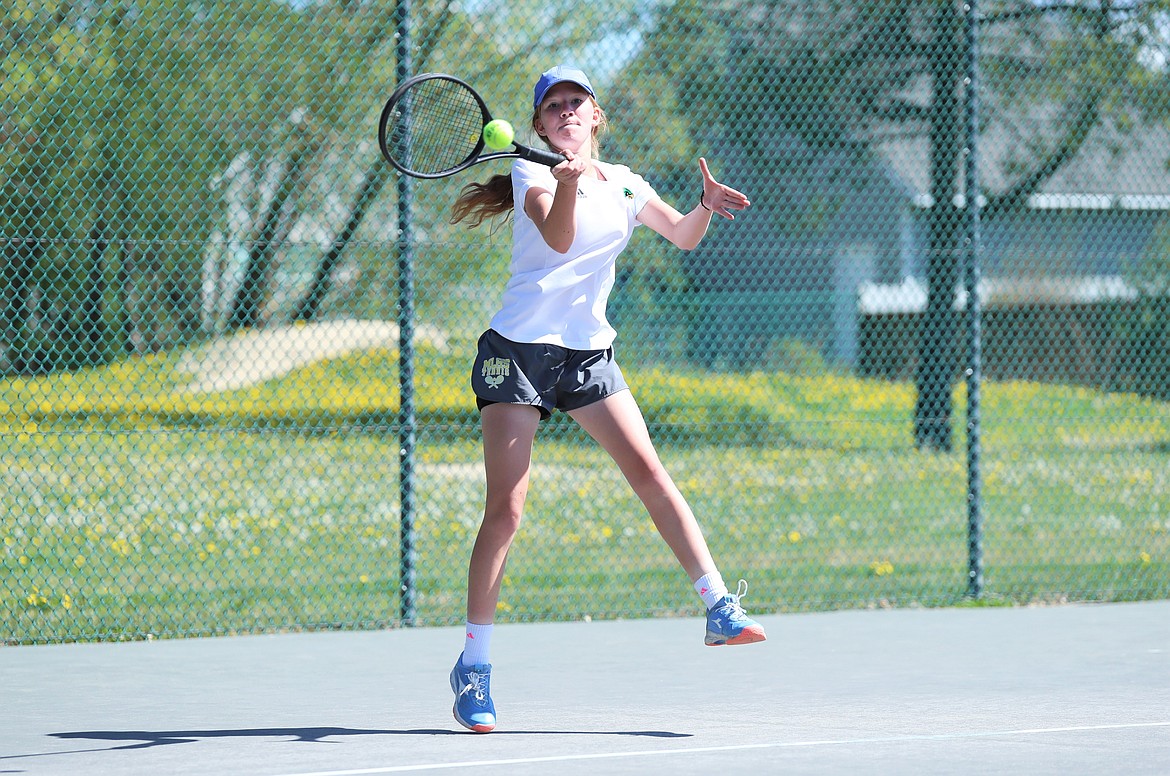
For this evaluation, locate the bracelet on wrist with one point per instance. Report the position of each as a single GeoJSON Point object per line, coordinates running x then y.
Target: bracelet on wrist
{"type": "Point", "coordinates": [702, 203]}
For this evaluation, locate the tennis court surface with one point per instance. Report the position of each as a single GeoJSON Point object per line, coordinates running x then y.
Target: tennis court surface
{"type": "Point", "coordinates": [1054, 690]}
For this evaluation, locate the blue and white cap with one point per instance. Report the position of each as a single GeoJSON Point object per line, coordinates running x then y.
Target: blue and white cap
{"type": "Point", "coordinates": [558, 75]}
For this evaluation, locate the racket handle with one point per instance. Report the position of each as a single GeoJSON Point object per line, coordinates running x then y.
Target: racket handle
{"type": "Point", "coordinates": [539, 156]}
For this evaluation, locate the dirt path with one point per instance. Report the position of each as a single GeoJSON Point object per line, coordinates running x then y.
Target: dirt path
{"type": "Point", "coordinates": [256, 355]}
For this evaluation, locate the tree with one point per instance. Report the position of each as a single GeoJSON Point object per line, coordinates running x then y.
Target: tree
{"type": "Point", "coordinates": [1080, 65]}
{"type": "Point", "coordinates": [347, 35]}
{"type": "Point", "coordinates": [39, 60]}
{"type": "Point", "coordinates": [831, 74]}
{"type": "Point", "coordinates": [376, 174]}
{"type": "Point", "coordinates": [120, 119]}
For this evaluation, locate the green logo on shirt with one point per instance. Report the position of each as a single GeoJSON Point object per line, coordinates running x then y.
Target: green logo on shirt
{"type": "Point", "coordinates": [629, 194]}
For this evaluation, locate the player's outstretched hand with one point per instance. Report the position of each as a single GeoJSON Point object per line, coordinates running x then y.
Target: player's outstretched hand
{"type": "Point", "coordinates": [719, 198]}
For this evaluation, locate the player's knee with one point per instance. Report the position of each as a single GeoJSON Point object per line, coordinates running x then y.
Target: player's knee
{"type": "Point", "coordinates": [653, 485]}
{"type": "Point", "coordinates": [504, 515]}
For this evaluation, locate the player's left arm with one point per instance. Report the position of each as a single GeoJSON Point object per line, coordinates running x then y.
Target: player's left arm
{"type": "Point", "coordinates": [686, 231]}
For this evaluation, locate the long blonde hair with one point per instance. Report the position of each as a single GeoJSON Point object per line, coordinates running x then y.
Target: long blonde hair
{"type": "Point", "coordinates": [478, 202]}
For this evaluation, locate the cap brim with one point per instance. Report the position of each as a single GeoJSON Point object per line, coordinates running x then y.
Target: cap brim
{"type": "Point", "coordinates": [540, 97]}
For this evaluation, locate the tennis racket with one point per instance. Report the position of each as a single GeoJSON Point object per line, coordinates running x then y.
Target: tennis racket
{"type": "Point", "coordinates": [432, 127]}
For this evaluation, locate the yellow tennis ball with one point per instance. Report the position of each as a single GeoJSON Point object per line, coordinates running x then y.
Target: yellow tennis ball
{"type": "Point", "coordinates": [498, 134]}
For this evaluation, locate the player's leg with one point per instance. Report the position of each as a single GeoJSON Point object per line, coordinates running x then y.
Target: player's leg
{"type": "Point", "coordinates": [508, 431]}
{"type": "Point", "coordinates": [617, 424]}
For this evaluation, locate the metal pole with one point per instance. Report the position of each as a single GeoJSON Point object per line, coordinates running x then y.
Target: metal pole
{"type": "Point", "coordinates": [974, 310]}
{"type": "Point", "coordinates": [407, 423]}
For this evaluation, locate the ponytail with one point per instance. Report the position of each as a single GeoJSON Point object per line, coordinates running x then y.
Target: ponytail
{"type": "Point", "coordinates": [481, 201]}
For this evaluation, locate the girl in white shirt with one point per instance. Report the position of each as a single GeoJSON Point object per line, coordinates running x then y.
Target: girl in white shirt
{"type": "Point", "coordinates": [549, 347]}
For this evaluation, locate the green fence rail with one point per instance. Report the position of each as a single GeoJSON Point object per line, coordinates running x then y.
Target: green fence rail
{"type": "Point", "coordinates": [201, 425]}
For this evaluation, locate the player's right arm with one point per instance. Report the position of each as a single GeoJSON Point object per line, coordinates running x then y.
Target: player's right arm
{"type": "Point", "coordinates": [555, 212]}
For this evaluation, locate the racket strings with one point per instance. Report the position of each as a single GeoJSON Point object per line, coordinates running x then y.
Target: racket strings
{"type": "Point", "coordinates": [436, 127]}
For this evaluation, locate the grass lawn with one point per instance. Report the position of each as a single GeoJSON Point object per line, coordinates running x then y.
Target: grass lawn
{"type": "Point", "coordinates": [133, 508]}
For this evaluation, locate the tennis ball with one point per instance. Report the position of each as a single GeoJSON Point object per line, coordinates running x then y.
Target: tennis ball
{"type": "Point", "coordinates": [498, 134]}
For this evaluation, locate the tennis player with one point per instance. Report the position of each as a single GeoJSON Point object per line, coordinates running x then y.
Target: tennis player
{"type": "Point", "coordinates": [549, 348]}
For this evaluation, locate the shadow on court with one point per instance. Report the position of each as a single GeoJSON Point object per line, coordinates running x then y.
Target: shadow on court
{"type": "Point", "coordinates": [149, 738]}
{"type": "Point", "coordinates": [146, 739]}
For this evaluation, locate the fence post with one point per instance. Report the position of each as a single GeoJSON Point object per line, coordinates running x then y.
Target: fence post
{"type": "Point", "coordinates": [407, 422]}
{"type": "Point", "coordinates": [974, 308]}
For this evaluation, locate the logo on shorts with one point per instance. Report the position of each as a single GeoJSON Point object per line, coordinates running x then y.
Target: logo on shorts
{"type": "Point", "coordinates": [495, 370]}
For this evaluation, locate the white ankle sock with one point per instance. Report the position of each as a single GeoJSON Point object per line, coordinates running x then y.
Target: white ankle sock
{"type": "Point", "coordinates": [711, 588]}
{"type": "Point", "coordinates": [477, 645]}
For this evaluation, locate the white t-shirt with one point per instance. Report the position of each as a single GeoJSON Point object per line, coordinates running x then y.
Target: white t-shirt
{"type": "Point", "coordinates": [557, 298]}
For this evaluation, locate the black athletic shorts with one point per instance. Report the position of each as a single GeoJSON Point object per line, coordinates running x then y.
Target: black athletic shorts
{"type": "Point", "coordinates": [545, 376]}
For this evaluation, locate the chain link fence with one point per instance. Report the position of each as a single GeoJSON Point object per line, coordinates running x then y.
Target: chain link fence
{"type": "Point", "coordinates": [202, 351]}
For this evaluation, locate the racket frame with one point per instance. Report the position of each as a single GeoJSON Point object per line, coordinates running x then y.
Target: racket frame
{"type": "Point", "coordinates": [476, 156]}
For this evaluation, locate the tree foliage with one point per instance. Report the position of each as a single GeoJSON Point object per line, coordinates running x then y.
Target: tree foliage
{"type": "Point", "coordinates": [164, 161]}
{"type": "Point", "coordinates": [787, 81]}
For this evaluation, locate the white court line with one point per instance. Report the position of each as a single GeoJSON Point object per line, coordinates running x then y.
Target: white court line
{"type": "Point", "coordinates": [733, 748]}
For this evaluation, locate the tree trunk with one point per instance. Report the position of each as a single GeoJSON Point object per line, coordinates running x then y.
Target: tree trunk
{"type": "Point", "coordinates": [936, 353]}
{"type": "Point", "coordinates": [20, 260]}
{"type": "Point", "coordinates": [246, 307]}
{"type": "Point", "coordinates": [22, 255]}
{"type": "Point", "coordinates": [372, 183]}
{"type": "Point", "coordinates": [93, 325]}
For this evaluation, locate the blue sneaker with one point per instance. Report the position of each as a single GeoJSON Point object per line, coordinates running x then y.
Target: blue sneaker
{"type": "Point", "coordinates": [727, 623]}
{"type": "Point", "coordinates": [473, 708]}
